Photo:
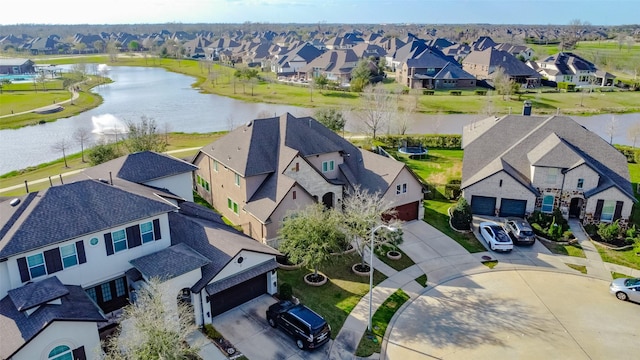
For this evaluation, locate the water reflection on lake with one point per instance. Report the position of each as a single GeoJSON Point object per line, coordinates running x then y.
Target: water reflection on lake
{"type": "Point", "coordinates": [170, 100]}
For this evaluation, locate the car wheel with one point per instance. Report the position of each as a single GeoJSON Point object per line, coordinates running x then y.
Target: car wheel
{"type": "Point", "coordinates": [271, 322]}
{"type": "Point", "coordinates": [300, 344]}
{"type": "Point", "coordinates": [622, 296]}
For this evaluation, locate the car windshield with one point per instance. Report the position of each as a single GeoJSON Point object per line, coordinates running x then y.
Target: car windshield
{"type": "Point", "coordinates": [632, 282]}
{"type": "Point", "coordinates": [500, 235]}
{"type": "Point", "coordinates": [526, 233]}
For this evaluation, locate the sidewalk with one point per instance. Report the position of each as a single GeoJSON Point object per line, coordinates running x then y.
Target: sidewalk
{"type": "Point", "coordinates": [595, 265]}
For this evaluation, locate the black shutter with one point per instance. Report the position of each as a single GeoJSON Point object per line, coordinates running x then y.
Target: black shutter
{"type": "Point", "coordinates": [133, 236]}
{"type": "Point", "coordinates": [156, 229]}
{"type": "Point", "coordinates": [24, 269]}
{"type": "Point", "coordinates": [53, 260]}
{"type": "Point", "coordinates": [108, 243]}
{"type": "Point", "coordinates": [598, 213]}
{"type": "Point", "coordinates": [82, 258]}
{"type": "Point", "coordinates": [79, 354]}
{"type": "Point", "coordinates": [618, 213]}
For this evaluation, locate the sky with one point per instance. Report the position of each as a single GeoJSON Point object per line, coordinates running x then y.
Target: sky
{"type": "Point", "coordinates": [541, 12]}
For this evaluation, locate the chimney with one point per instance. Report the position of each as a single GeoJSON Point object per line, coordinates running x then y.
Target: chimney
{"type": "Point", "coordinates": [526, 110]}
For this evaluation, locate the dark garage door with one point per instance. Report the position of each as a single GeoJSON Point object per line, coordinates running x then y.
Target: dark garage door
{"type": "Point", "coordinates": [483, 205]}
{"type": "Point", "coordinates": [408, 212]}
{"type": "Point", "coordinates": [513, 207]}
{"type": "Point", "coordinates": [238, 294]}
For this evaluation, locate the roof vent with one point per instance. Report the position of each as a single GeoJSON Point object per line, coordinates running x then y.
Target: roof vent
{"type": "Point", "coordinates": [250, 123]}
{"type": "Point", "coordinates": [104, 181]}
{"type": "Point", "coordinates": [14, 202]}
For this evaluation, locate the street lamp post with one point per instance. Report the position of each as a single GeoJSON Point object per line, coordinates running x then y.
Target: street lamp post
{"type": "Point", "coordinates": [373, 235]}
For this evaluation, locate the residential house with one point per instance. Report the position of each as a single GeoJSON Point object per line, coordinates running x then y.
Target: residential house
{"type": "Point", "coordinates": [13, 66]}
{"type": "Point", "coordinates": [519, 51]}
{"type": "Point", "coordinates": [484, 63]}
{"type": "Point", "coordinates": [336, 65]}
{"type": "Point", "coordinates": [339, 43]}
{"type": "Point", "coordinates": [430, 70]}
{"type": "Point", "coordinates": [261, 171]}
{"type": "Point", "coordinates": [73, 255]}
{"type": "Point", "coordinates": [198, 48]}
{"type": "Point", "coordinates": [290, 62]}
{"type": "Point", "coordinates": [516, 164]}
{"type": "Point", "coordinates": [569, 67]}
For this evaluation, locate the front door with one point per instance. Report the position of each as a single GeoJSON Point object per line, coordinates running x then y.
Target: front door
{"type": "Point", "coordinates": [575, 207]}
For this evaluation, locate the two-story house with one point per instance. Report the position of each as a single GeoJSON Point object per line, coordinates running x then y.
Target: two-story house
{"type": "Point", "coordinates": [290, 62]}
{"type": "Point", "coordinates": [571, 68]}
{"type": "Point", "coordinates": [259, 172]}
{"type": "Point", "coordinates": [73, 255]}
{"type": "Point", "coordinates": [484, 63]}
{"type": "Point", "coordinates": [545, 163]}
{"type": "Point", "coordinates": [336, 65]}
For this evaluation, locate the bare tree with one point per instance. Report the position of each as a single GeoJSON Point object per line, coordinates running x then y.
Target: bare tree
{"type": "Point", "coordinates": [378, 107]}
{"type": "Point", "coordinates": [612, 128]}
{"type": "Point", "coordinates": [82, 136]}
{"type": "Point", "coordinates": [62, 145]}
{"type": "Point", "coordinates": [144, 136]}
{"type": "Point", "coordinates": [633, 134]}
{"type": "Point", "coordinates": [403, 119]}
{"type": "Point", "coordinates": [503, 84]}
{"type": "Point", "coordinates": [151, 329]}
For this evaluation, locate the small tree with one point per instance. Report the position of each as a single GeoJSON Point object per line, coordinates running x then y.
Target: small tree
{"type": "Point", "coordinates": [62, 145]}
{"type": "Point", "coordinates": [360, 75]}
{"type": "Point", "coordinates": [152, 331]}
{"type": "Point", "coordinates": [102, 152]}
{"type": "Point", "coordinates": [378, 108]}
{"type": "Point", "coordinates": [321, 81]}
{"type": "Point", "coordinates": [331, 118]}
{"type": "Point", "coordinates": [145, 136]}
{"type": "Point", "coordinates": [461, 216]}
{"type": "Point", "coordinates": [82, 137]}
{"type": "Point", "coordinates": [311, 235]}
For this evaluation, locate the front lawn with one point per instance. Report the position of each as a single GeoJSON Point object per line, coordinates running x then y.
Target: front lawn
{"type": "Point", "coordinates": [370, 343]}
{"type": "Point", "coordinates": [436, 214]}
{"type": "Point", "coordinates": [334, 300]}
{"type": "Point", "coordinates": [628, 258]}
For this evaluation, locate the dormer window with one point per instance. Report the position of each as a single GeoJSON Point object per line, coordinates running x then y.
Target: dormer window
{"type": "Point", "coordinates": [328, 166]}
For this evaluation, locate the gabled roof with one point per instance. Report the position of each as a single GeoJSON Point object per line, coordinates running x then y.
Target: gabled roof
{"type": "Point", "coordinates": [38, 293]}
{"type": "Point", "coordinates": [565, 62]}
{"type": "Point", "coordinates": [68, 211]}
{"type": "Point", "coordinates": [451, 71]}
{"type": "Point", "coordinates": [334, 61]}
{"type": "Point", "coordinates": [136, 167]}
{"type": "Point", "coordinates": [18, 328]}
{"type": "Point", "coordinates": [215, 241]}
{"type": "Point", "coordinates": [498, 58]}
{"type": "Point", "coordinates": [564, 141]}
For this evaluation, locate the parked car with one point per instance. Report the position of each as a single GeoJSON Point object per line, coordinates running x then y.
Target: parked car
{"type": "Point", "coordinates": [495, 236]}
{"type": "Point", "coordinates": [626, 289]}
{"type": "Point", "coordinates": [520, 231]}
{"type": "Point", "coordinates": [308, 329]}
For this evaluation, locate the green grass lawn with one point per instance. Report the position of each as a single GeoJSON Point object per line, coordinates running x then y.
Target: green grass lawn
{"type": "Point", "coordinates": [398, 265]}
{"type": "Point", "coordinates": [370, 343]}
{"type": "Point", "coordinates": [334, 300]}
{"type": "Point", "coordinates": [564, 249]}
{"type": "Point", "coordinates": [436, 215]}
{"type": "Point", "coordinates": [627, 258]}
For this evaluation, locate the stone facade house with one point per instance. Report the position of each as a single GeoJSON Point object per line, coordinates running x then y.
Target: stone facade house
{"type": "Point", "coordinates": [544, 163]}
{"type": "Point", "coordinates": [259, 172]}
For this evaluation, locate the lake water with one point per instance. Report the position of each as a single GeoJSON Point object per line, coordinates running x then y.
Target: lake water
{"type": "Point", "coordinates": [169, 99]}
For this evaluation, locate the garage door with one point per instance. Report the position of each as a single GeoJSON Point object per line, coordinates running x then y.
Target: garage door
{"type": "Point", "coordinates": [238, 294]}
{"type": "Point", "coordinates": [483, 205]}
{"type": "Point", "coordinates": [513, 207]}
{"type": "Point", "coordinates": [407, 212]}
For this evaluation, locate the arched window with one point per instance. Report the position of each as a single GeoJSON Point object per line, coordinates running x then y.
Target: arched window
{"type": "Point", "coordinates": [61, 352]}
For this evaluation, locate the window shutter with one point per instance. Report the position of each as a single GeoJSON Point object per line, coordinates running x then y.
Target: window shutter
{"type": "Point", "coordinates": [79, 354]}
{"type": "Point", "coordinates": [108, 243]}
{"type": "Point", "coordinates": [82, 258]}
{"type": "Point", "coordinates": [53, 260]}
{"type": "Point", "coordinates": [133, 236]}
{"type": "Point", "coordinates": [24, 269]}
{"type": "Point", "coordinates": [618, 213]}
{"type": "Point", "coordinates": [156, 229]}
{"type": "Point", "coordinates": [598, 212]}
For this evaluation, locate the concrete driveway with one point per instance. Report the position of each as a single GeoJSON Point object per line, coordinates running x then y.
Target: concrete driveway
{"type": "Point", "coordinates": [516, 314]}
{"type": "Point", "coordinates": [247, 328]}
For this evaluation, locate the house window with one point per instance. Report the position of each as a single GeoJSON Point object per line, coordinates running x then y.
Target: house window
{"type": "Point", "coordinates": [294, 194]}
{"type": "Point", "coordinates": [92, 294]}
{"type": "Point", "coordinates": [401, 189]}
{"type": "Point", "coordinates": [119, 239]}
{"type": "Point", "coordinates": [202, 182]}
{"type": "Point", "coordinates": [580, 183]}
{"type": "Point", "coordinates": [232, 205]}
{"type": "Point", "coordinates": [36, 265]}
{"type": "Point", "coordinates": [106, 292]}
{"type": "Point", "coordinates": [237, 179]}
{"type": "Point", "coordinates": [215, 166]}
{"type": "Point", "coordinates": [146, 232]}
{"type": "Point", "coordinates": [552, 175]}
{"type": "Point", "coordinates": [61, 352]}
{"type": "Point", "coordinates": [607, 210]}
{"type": "Point", "coordinates": [547, 203]}
{"type": "Point", "coordinates": [327, 166]}
{"type": "Point", "coordinates": [69, 255]}
{"type": "Point", "coordinates": [120, 290]}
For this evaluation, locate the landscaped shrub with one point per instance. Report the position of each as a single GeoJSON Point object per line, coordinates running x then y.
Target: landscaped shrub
{"type": "Point", "coordinates": [286, 291]}
{"type": "Point", "coordinates": [455, 92]}
{"type": "Point", "coordinates": [567, 86]}
{"type": "Point", "coordinates": [552, 226]}
{"type": "Point", "coordinates": [632, 154]}
{"type": "Point", "coordinates": [461, 216]}
{"type": "Point", "coordinates": [609, 232]}
{"type": "Point", "coordinates": [481, 92]}
{"type": "Point", "coordinates": [452, 189]}
{"type": "Point", "coordinates": [591, 229]}
{"type": "Point", "coordinates": [430, 141]}
{"type": "Point", "coordinates": [428, 92]}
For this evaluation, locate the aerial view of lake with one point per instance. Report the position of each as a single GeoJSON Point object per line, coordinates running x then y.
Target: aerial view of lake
{"type": "Point", "coordinates": [169, 99]}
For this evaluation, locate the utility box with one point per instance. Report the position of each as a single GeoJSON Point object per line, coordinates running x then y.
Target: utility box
{"type": "Point", "coordinates": [526, 109]}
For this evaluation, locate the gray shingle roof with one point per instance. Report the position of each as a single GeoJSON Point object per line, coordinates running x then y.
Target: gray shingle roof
{"type": "Point", "coordinates": [68, 211]}
{"type": "Point", "coordinates": [498, 58]}
{"type": "Point", "coordinates": [217, 242]}
{"type": "Point", "coordinates": [169, 263]}
{"type": "Point", "coordinates": [525, 134]}
{"type": "Point", "coordinates": [38, 293]}
{"type": "Point", "coordinates": [18, 329]}
{"type": "Point", "coordinates": [136, 167]}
